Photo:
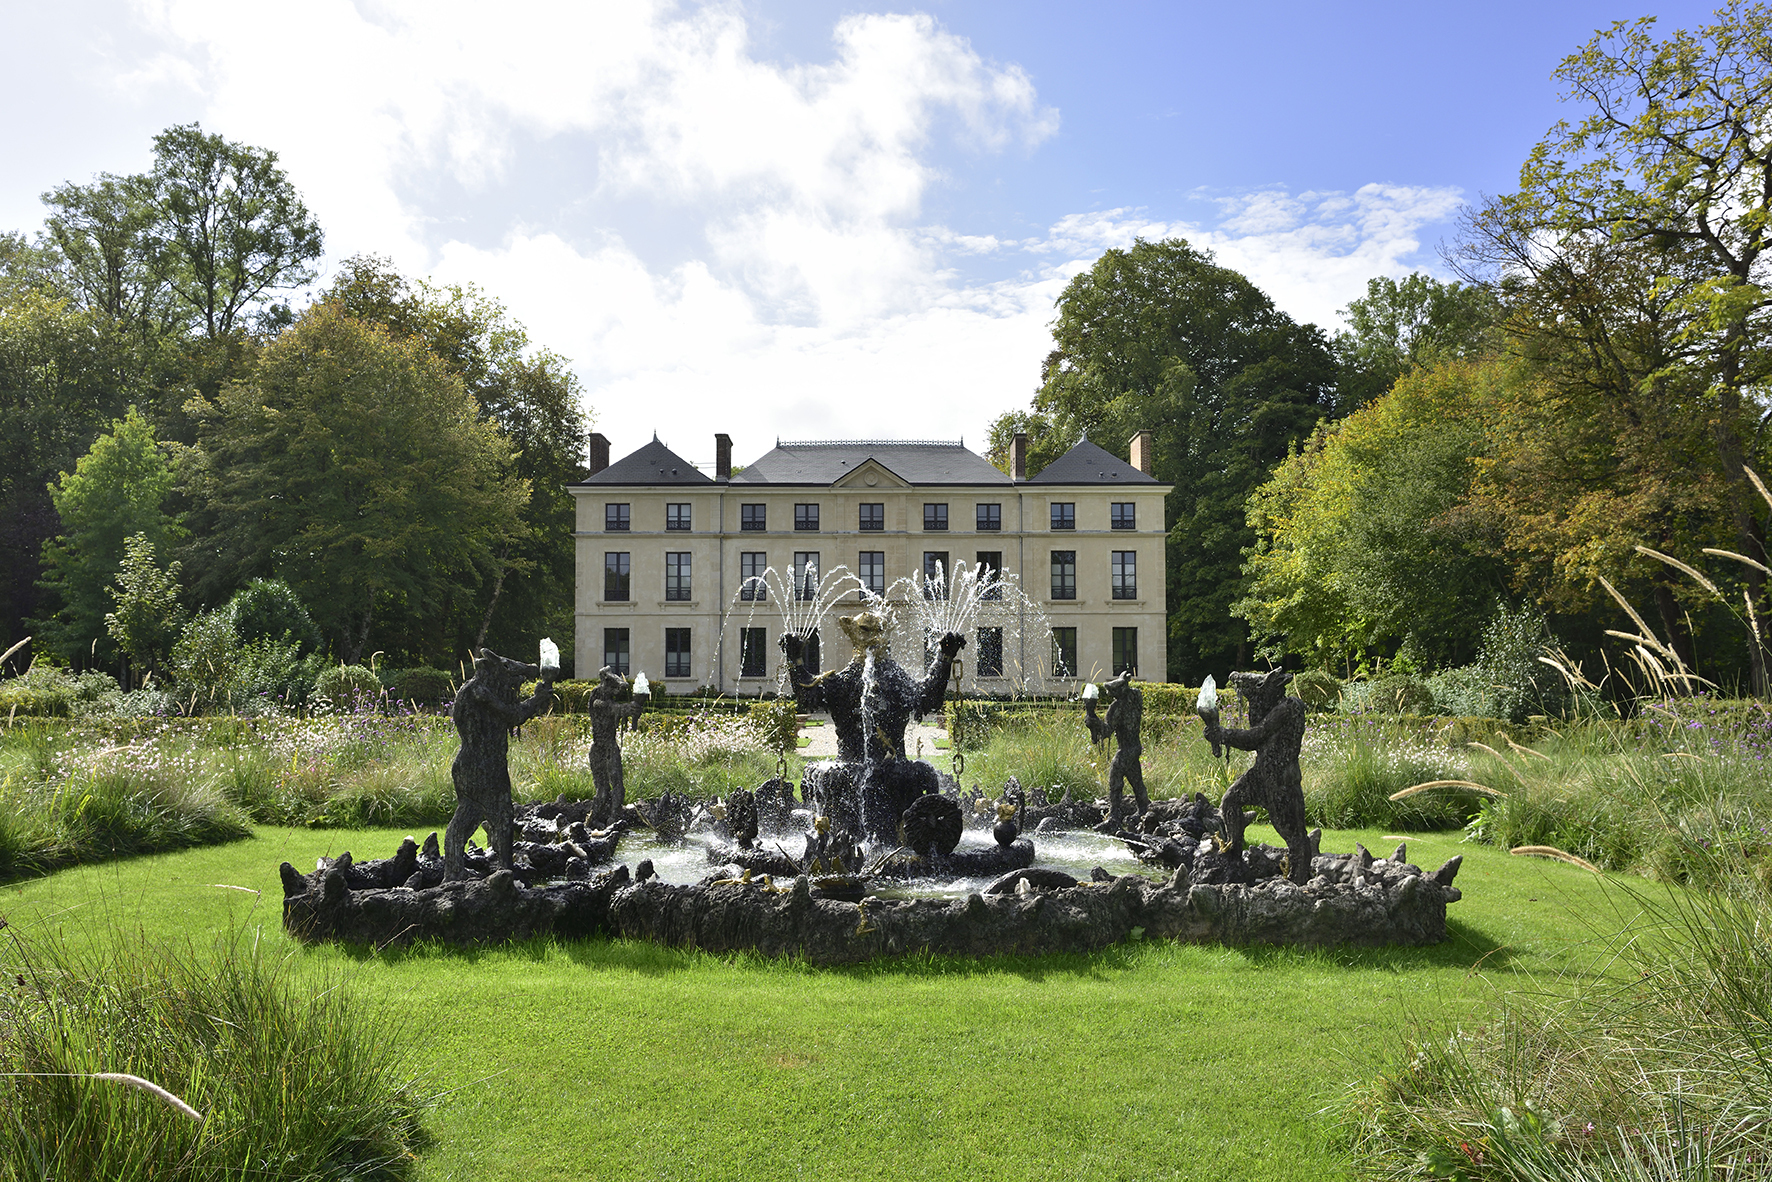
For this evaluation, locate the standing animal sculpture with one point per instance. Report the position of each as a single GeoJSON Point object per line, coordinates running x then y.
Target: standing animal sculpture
{"type": "Point", "coordinates": [607, 715]}
{"type": "Point", "coordinates": [1125, 718]}
{"type": "Point", "coordinates": [1275, 733]}
{"type": "Point", "coordinates": [485, 710]}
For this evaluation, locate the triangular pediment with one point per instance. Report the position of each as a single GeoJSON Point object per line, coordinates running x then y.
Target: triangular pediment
{"type": "Point", "coordinates": [870, 473]}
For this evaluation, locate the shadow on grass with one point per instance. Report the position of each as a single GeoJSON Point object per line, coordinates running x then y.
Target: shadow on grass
{"type": "Point", "coordinates": [1467, 948]}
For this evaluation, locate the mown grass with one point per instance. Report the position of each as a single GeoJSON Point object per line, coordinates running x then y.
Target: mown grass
{"type": "Point", "coordinates": [614, 1059]}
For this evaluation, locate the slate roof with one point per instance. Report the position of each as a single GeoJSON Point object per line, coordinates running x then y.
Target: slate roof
{"type": "Point", "coordinates": [824, 462]}
{"type": "Point", "coordinates": [1087, 463]}
{"type": "Point", "coordinates": [653, 464]}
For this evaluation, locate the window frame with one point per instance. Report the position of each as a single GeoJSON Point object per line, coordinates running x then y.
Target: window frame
{"type": "Point", "coordinates": [806, 516]}
{"type": "Point", "coordinates": [983, 665]}
{"type": "Point", "coordinates": [995, 589]}
{"type": "Point", "coordinates": [618, 659]}
{"type": "Point", "coordinates": [678, 516]}
{"type": "Point", "coordinates": [677, 662]}
{"type": "Point", "coordinates": [1064, 582]}
{"type": "Point", "coordinates": [805, 591]}
{"type": "Point", "coordinates": [935, 517]}
{"type": "Point", "coordinates": [871, 523]}
{"type": "Point", "coordinates": [874, 580]}
{"type": "Point", "coordinates": [679, 569]}
{"type": "Point", "coordinates": [751, 587]}
{"type": "Point", "coordinates": [1125, 643]}
{"type": "Point", "coordinates": [753, 516]}
{"type": "Point", "coordinates": [1064, 516]}
{"type": "Point", "coordinates": [991, 523]}
{"type": "Point", "coordinates": [623, 570]}
{"type": "Point", "coordinates": [1064, 645]}
{"type": "Point", "coordinates": [618, 517]}
{"type": "Point", "coordinates": [1123, 514]}
{"type": "Point", "coordinates": [1123, 574]}
{"type": "Point", "coordinates": [947, 570]}
{"type": "Point", "coordinates": [753, 642]}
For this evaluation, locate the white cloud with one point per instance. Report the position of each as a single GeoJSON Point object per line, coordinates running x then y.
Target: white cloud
{"type": "Point", "coordinates": [805, 294]}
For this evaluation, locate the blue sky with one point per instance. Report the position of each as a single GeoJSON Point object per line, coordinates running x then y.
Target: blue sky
{"type": "Point", "coordinates": [813, 220]}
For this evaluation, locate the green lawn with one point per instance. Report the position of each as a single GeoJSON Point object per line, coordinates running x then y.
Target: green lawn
{"type": "Point", "coordinates": [621, 1060]}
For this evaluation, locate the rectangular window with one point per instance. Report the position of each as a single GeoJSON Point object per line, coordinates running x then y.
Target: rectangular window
{"type": "Point", "coordinates": [1064, 515]}
{"type": "Point", "coordinates": [871, 569]}
{"type": "Point", "coordinates": [615, 576]}
{"type": "Point", "coordinates": [615, 518]}
{"type": "Point", "coordinates": [935, 574]}
{"type": "Point", "coordinates": [753, 517]}
{"type": "Point", "coordinates": [1064, 574]}
{"type": "Point", "coordinates": [935, 517]}
{"type": "Point", "coordinates": [1125, 514]}
{"type": "Point", "coordinates": [1125, 574]}
{"type": "Point", "coordinates": [753, 652]}
{"type": "Point", "coordinates": [615, 650]}
{"type": "Point", "coordinates": [676, 652]}
{"type": "Point", "coordinates": [1125, 650]}
{"type": "Point", "coordinates": [751, 565]}
{"type": "Point", "coordinates": [873, 518]}
{"type": "Point", "coordinates": [805, 575]}
{"type": "Point", "coordinates": [677, 575]}
{"type": "Point", "coordinates": [990, 652]}
{"type": "Point", "coordinates": [990, 518]}
{"type": "Point", "coordinates": [806, 516]}
{"type": "Point", "coordinates": [676, 516]}
{"type": "Point", "coordinates": [1064, 652]}
{"type": "Point", "coordinates": [990, 573]}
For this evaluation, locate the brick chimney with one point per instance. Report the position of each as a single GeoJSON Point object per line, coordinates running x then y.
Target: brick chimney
{"type": "Point", "coordinates": [1018, 457]}
{"type": "Point", "coordinates": [1142, 446]}
{"type": "Point", "coordinates": [599, 457]}
{"type": "Point", "coordinates": [722, 457]}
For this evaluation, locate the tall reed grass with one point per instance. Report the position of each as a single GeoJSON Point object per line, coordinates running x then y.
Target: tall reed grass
{"type": "Point", "coordinates": [292, 1078]}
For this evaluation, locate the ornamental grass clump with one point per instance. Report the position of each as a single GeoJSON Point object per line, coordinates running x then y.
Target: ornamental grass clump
{"type": "Point", "coordinates": [106, 1056]}
{"type": "Point", "coordinates": [1657, 1068]}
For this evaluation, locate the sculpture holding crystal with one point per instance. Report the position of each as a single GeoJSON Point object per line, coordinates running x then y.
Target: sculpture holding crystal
{"type": "Point", "coordinates": [1125, 718]}
{"type": "Point", "coordinates": [1276, 735]}
{"type": "Point", "coordinates": [485, 709]}
{"type": "Point", "coordinates": [608, 712]}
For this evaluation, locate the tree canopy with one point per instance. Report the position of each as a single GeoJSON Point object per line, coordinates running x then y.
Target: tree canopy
{"type": "Point", "coordinates": [1160, 337]}
{"type": "Point", "coordinates": [356, 467]}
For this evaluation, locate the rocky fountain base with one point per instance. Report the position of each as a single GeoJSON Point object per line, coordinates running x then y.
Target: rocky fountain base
{"type": "Point", "coordinates": [1202, 896]}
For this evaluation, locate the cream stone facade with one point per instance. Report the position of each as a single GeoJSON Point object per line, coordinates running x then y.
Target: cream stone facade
{"type": "Point", "coordinates": [664, 552]}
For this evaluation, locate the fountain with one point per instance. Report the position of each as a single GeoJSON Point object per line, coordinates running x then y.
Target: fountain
{"type": "Point", "coordinates": [886, 868]}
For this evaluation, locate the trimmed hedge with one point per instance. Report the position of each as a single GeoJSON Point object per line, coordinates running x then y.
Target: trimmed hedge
{"type": "Point", "coordinates": [970, 721]}
{"type": "Point", "coordinates": [430, 687]}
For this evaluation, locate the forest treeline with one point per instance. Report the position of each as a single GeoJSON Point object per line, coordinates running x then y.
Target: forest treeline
{"type": "Point", "coordinates": [380, 472]}
{"type": "Point", "coordinates": [1522, 448]}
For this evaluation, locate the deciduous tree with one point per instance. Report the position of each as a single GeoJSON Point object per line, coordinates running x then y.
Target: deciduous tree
{"type": "Point", "coordinates": [356, 467]}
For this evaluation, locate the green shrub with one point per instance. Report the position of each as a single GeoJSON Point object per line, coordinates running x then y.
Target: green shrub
{"type": "Point", "coordinates": [43, 692]}
{"type": "Point", "coordinates": [205, 663]}
{"type": "Point", "coordinates": [273, 675]}
{"type": "Point", "coordinates": [1318, 689]}
{"type": "Point", "coordinates": [778, 723]}
{"type": "Point", "coordinates": [269, 609]}
{"type": "Point", "coordinates": [292, 1081]}
{"type": "Point", "coordinates": [1507, 661]}
{"type": "Point", "coordinates": [1400, 693]}
{"type": "Point", "coordinates": [347, 687]}
{"type": "Point", "coordinates": [425, 686]}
